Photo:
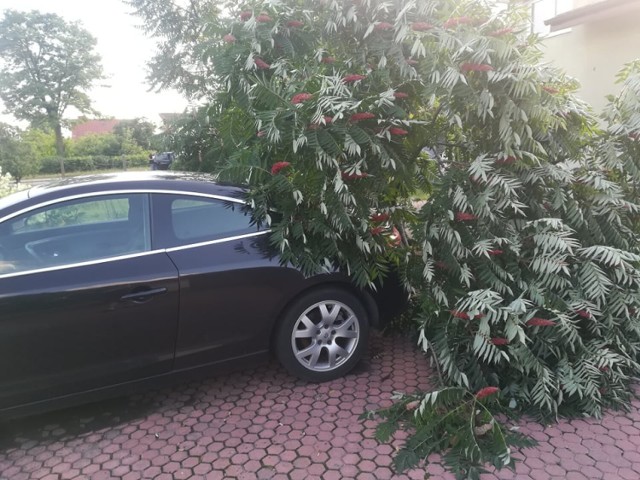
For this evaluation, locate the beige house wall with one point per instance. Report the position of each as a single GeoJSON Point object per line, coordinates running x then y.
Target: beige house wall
{"type": "Point", "coordinates": [594, 53]}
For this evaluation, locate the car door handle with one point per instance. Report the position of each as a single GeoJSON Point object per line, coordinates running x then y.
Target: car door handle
{"type": "Point", "coordinates": [143, 295]}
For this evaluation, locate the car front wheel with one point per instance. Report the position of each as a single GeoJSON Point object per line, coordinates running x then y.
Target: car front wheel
{"type": "Point", "coordinates": [323, 335]}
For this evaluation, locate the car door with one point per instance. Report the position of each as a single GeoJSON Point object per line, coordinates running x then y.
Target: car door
{"type": "Point", "coordinates": [84, 301]}
{"type": "Point", "coordinates": [231, 283]}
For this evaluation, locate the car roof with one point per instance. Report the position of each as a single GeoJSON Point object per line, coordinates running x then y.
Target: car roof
{"type": "Point", "coordinates": [144, 180]}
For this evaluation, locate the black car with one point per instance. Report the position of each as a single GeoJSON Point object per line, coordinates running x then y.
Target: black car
{"type": "Point", "coordinates": [162, 161]}
{"type": "Point", "coordinates": [110, 281]}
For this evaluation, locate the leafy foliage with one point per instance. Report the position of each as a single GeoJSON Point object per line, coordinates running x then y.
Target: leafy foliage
{"type": "Point", "coordinates": [338, 162]}
{"type": "Point", "coordinates": [137, 134]}
{"type": "Point", "coordinates": [17, 155]}
{"type": "Point", "coordinates": [524, 262]}
{"type": "Point", "coordinates": [30, 152]}
{"type": "Point", "coordinates": [529, 263]}
{"type": "Point", "coordinates": [182, 31]}
{"type": "Point", "coordinates": [454, 421]}
{"type": "Point", "coordinates": [620, 150]}
{"type": "Point", "coordinates": [7, 185]}
{"type": "Point", "coordinates": [108, 144]}
{"type": "Point", "coordinates": [196, 142]}
{"type": "Point", "coordinates": [95, 162]}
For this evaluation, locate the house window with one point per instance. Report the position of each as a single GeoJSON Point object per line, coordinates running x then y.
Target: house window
{"type": "Point", "coordinates": [542, 10]}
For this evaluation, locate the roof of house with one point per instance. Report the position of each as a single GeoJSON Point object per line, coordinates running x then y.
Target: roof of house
{"type": "Point", "coordinates": [594, 11]}
{"type": "Point", "coordinates": [93, 127]}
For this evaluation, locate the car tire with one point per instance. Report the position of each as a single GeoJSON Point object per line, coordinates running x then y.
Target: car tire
{"type": "Point", "coordinates": [322, 335]}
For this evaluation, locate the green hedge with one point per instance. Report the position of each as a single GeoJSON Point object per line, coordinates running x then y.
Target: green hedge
{"type": "Point", "coordinates": [96, 162]}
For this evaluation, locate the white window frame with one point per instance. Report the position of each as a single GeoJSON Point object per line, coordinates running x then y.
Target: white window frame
{"type": "Point", "coordinates": [556, 7]}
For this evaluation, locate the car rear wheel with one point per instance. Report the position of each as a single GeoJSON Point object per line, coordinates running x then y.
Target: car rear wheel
{"type": "Point", "coordinates": [322, 335]}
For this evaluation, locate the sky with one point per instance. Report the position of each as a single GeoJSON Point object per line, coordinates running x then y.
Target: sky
{"type": "Point", "coordinates": [124, 50]}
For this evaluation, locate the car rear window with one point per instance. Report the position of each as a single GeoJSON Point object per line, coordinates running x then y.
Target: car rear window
{"type": "Point", "coordinates": [202, 219]}
{"type": "Point", "coordinates": [193, 219]}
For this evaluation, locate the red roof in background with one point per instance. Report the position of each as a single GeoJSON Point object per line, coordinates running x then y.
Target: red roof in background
{"type": "Point", "coordinates": [93, 127]}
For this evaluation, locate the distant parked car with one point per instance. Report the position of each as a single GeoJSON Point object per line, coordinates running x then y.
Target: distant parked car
{"type": "Point", "coordinates": [162, 161]}
{"type": "Point", "coordinates": [114, 280]}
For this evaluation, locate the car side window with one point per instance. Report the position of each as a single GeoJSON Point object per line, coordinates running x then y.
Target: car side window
{"type": "Point", "coordinates": [74, 213]}
{"type": "Point", "coordinates": [194, 219]}
{"type": "Point", "coordinates": [75, 231]}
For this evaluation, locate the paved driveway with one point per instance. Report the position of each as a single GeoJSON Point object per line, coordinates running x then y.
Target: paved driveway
{"type": "Point", "coordinates": [262, 424]}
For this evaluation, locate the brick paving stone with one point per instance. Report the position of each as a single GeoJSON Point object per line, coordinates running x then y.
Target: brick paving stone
{"type": "Point", "coordinates": [576, 476]}
{"type": "Point", "coordinates": [539, 474]}
{"type": "Point", "coordinates": [262, 424]}
{"type": "Point", "coordinates": [632, 456]}
{"type": "Point", "coordinates": [555, 470]}
{"type": "Point", "coordinates": [584, 460]}
{"type": "Point", "coordinates": [316, 469]}
{"type": "Point", "coordinates": [617, 435]}
{"type": "Point", "coordinates": [627, 474]}
{"type": "Point", "coordinates": [265, 473]}
{"type": "Point", "coordinates": [570, 465]}
{"type": "Point", "coordinates": [69, 474]}
{"type": "Point", "coordinates": [384, 473]}
{"type": "Point", "coordinates": [366, 476]}
{"type": "Point", "coordinates": [597, 429]}
{"type": "Point", "coordinates": [592, 472]}
{"type": "Point", "coordinates": [539, 436]}
{"type": "Point", "coordinates": [566, 427]}
{"type": "Point", "coordinates": [367, 466]}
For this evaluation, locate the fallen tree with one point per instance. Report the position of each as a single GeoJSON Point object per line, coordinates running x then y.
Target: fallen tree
{"type": "Point", "coordinates": [523, 263]}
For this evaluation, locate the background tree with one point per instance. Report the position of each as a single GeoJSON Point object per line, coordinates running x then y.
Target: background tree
{"type": "Point", "coordinates": [9, 143]}
{"type": "Point", "coordinates": [141, 131]}
{"type": "Point", "coordinates": [41, 142]}
{"type": "Point", "coordinates": [18, 157]}
{"type": "Point", "coordinates": [107, 144]}
{"type": "Point", "coordinates": [7, 184]}
{"type": "Point", "coordinates": [198, 144]}
{"type": "Point", "coordinates": [179, 29]}
{"type": "Point", "coordinates": [48, 65]}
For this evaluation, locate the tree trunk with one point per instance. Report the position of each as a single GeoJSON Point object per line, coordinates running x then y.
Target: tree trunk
{"type": "Point", "coordinates": [59, 145]}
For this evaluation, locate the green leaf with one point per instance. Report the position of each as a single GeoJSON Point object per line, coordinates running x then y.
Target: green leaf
{"type": "Point", "coordinates": [404, 460]}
